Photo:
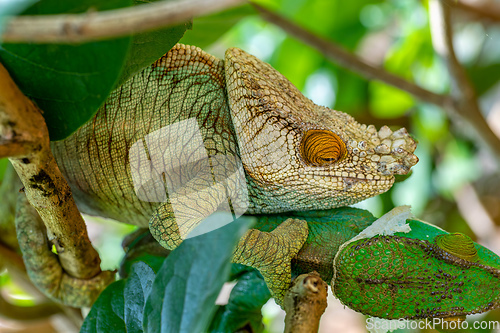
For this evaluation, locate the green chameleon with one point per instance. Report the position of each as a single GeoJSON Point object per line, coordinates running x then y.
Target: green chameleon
{"type": "Point", "coordinates": [416, 270]}
{"type": "Point", "coordinates": [293, 156]}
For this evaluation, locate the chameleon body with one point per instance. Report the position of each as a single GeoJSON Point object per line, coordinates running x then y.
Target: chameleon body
{"type": "Point", "coordinates": [296, 156]}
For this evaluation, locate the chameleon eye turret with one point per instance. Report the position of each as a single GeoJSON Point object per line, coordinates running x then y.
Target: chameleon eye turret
{"type": "Point", "coordinates": [414, 276]}
{"type": "Point", "coordinates": [459, 245]}
{"type": "Point", "coordinates": [322, 148]}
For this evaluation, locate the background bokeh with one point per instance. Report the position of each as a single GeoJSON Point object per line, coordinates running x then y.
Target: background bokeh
{"type": "Point", "coordinates": [455, 185]}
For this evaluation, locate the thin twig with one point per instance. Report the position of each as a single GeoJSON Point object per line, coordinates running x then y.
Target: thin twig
{"type": "Point", "coordinates": [92, 26]}
{"type": "Point", "coordinates": [351, 61]}
{"type": "Point", "coordinates": [464, 95]}
{"type": "Point", "coordinates": [488, 11]}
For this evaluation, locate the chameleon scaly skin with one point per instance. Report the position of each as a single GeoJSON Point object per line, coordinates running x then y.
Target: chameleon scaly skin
{"type": "Point", "coordinates": [276, 125]}
{"type": "Point", "coordinates": [296, 155]}
{"type": "Point", "coordinates": [405, 275]}
{"type": "Point", "coordinates": [244, 108]}
{"type": "Point", "coordinates": [187, 83]}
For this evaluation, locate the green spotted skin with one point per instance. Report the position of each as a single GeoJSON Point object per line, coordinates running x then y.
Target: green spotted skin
{"type": "Point", "coordinates": [411, 276]}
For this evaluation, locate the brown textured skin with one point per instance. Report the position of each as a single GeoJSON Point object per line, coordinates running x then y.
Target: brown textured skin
{"type": "Point", "coordinates": [243, 108]}
{"type": "Point", "coordinates": [271, 116]}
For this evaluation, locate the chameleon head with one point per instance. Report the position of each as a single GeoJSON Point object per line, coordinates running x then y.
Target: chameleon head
{"type": "Point", "coordinates": [288, 143]}
{"type": "Point", "coordinates": [426, 273]}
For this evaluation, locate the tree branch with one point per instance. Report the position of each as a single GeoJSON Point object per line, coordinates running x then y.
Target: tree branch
{"type": "Point", "coordinates": [45, 186]}
{"type": "Point", "coordinates": [351, 61]}
{"type": "Point", "coordinates": [43, 266]}
{"type": "Point", "coordinates": [464, 95]}
{"type": "Point", "coordinates": [92, 26]}
{"type": "Point", "coordinates": [305, 302]}
{"type": "Point", "coordinates": [487, 11]}
{"type": "Point", "coordinates": [11, 149]}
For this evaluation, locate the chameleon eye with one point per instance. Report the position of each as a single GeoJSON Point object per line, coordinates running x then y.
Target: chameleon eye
{"type": "Point", "coordinates": [320, 148]}
{"type": "Point", "coordinates": [459, 245]}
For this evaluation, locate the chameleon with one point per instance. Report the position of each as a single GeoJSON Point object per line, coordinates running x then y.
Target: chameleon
{"type": "Point", "coordinates": [212, 115]}
{"type": "Point", "coordinates": [416, 272]}
{"type": "Point", "coordinates": [293, 154]}
{"type": "Point", "coordinates": [300, 162]}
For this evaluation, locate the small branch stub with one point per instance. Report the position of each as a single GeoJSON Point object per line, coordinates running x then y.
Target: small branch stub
{"type": "Point", "coordinates": [305, 303]}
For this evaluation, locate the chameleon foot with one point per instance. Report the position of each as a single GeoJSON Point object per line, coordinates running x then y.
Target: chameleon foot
{"type": "Point", "coordinates": [271, 253]}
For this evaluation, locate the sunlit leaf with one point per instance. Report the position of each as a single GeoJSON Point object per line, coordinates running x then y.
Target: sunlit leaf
{"type": "Point", "coordinates": [388, 102]}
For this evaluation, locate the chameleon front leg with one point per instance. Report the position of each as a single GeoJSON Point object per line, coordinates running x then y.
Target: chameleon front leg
{"type": "Point", "coordinates": [271, 253]}
{"type": "Point", "coordinates": [173, 221]}
{"type": "Point", "coordinates": [43, 266]}
{"type": "Point", "coordinates": [215, 185]}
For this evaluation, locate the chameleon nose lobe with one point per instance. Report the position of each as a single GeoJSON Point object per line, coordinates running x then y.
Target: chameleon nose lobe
{"type": "Point", "coordinates": [395, 151]}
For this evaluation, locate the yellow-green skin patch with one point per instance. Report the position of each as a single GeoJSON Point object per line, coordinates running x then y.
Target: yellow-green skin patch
{"type": "Point", "coordinates": [459, 245]}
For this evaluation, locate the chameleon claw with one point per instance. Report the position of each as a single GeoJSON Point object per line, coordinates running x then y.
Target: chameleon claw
{"type": "Point", "coordinates": [271, 253]}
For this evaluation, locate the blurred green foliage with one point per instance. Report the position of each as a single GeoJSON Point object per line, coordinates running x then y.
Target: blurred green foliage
{"type": "Point", "coordinates": [395, 35]}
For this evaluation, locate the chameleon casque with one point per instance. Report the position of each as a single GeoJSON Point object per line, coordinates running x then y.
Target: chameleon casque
{"type": "Point", "coordinates": [300, 161]}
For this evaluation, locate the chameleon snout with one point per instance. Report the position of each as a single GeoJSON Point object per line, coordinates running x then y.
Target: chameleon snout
{"type": "Point", "coordinates": [392, 151]}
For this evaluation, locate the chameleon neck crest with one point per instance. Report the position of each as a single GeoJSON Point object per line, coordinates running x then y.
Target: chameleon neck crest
{"type": "Point", "coordinates": [459, 245]}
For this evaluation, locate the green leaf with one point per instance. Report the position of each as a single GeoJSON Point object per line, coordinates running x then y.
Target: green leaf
{"type": "Point", "coordinates": [352, 93]}
{"type": "Point", "coordinates": [484, 77]}
{"type": "Point", "coordinates": [141, 246]}
{"type": "Point", "coordinates": [120, 307]}
{"type": "Point", "coordinates": [68, 82]}
{"type": "Point", "coordinates": [328, 230]}
{"type": "Point", "coordinates": [184, 292]}
{"type": "Point", "coordinates": [3, 166]}
{"type": "Point", "coordinates": [149, 46]}
{"type": "Point", "coordinates": [244, 305]}
{"type": "Point", "coordinates": [305, 61]}
{"type": "Point", "coordinates": [207, 29]}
